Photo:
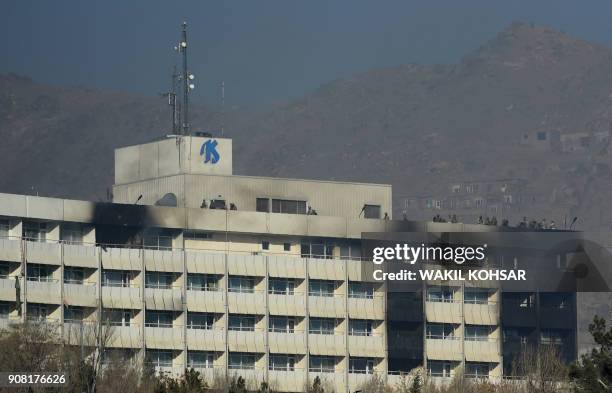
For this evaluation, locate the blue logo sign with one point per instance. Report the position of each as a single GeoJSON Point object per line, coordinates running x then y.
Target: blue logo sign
{"type": "Point", "coordinates": [209, 151]}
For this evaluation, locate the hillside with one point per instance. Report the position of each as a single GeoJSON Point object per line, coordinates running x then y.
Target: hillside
{"type": "Point", "coordinates": [418, 127]}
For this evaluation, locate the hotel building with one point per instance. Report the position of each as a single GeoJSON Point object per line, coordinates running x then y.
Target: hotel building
{"type": "Point", "coordinates": [193, 266]}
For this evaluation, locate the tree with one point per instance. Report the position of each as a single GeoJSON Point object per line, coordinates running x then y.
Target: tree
{"type": "Point", "coordinates": [317, 386]}
{"type": "Point", "coordinates": [417, 383]}
{"type": "Point", "coordinates": [593, 373]}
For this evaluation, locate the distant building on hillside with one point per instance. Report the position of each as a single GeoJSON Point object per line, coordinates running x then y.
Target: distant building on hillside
{"type": "Point", "coordinates": [470, 199]}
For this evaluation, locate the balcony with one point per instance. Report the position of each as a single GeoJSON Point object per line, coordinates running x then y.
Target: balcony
{"type": "Point", "coordinates": [327, 269]}
{"type": "Point", "coordinates": [356, 381]}
{"type": "Point", "coordinates": [327, 344]}
{"type": "Point", "coordinates": [121, 297]}
{"type": "Point", "coordinates": [122, 258]}
{"type": "Point", "coordinates": [294, 305]}
{"type": "Point", "coordinates": [77, 333]}
{"type": "Point", "coordinates": [287, 381]}
{"type": "Point", "coordinates": [481, 314]}
{"type": "Point", "coordinates": [252, 377]}
{"type": "Point", "coordinates": [82, 256]}
{"type": "Point", "coordinates": [164, 337]}
{"type": "Point", "coordinates": [7, 289]}
{"type": "Point", "coordinates": [246, 341]}
{"type": "Point", "coordinates": [44, 291]}
{"type": "Point", "coordinates": [10, 250]}
{"type": "Point", "coordinates": [359, 308]}
{"type": "Point", "coordinates": [287, 342]}
{"type": "Point", "coordinates": [170, 299]}
{"type": "Point", "coordinates": [163, 260]}
{"type": "Point", "coordinates": [206, 340]}
{"type": "Point", "coordinates": [443, 349]}
{"type": "Point", "coordinates": [85, 295]}
{"type": "Point", "coordinates": [486, 350]}
{"type": "Point", "coordinates": [326, 307]}
{"type": "Point", "coordinates": [206, 301]}
{"type": "Point", "coordinates": [247, 303]}
{"type": "Point", "coordinates": [443, 312]}
{"type": "Point", "coordinates": [286, 266]}
{"type": "Point", "coordinates": [205, 262]}
{"type": "Point", "coordinates": [333, 379]}
{"type": "Point", "coordinates": [43, 253]}
{"type": "Point", "coordinates": [246, 265]}
{"type": "Point", "coordinates": [366, 346]}
{"type": "Point", "coordinates": [125, 337]}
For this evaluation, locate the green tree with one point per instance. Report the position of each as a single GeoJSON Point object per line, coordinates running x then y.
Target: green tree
{"type": "Point", "coordinates": [593, 373]}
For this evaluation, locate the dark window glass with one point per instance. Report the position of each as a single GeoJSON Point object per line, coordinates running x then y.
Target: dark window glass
{"type": "Point", "coordinates": [371, 211]}
{"type": "Point", "coordinates": [262, 205]}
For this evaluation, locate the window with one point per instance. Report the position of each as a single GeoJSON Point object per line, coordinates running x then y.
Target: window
{"type": "Point", "coordinates": [241, 284]}
{"type": "Point", "coordinates": [4, 229]}
{"type": "Point", "coordinates": [200, 320]}
{"type": "Point", "coordinates": [158, 239]}
{"type": "Point", "coordinates": [73, 275]}
{"type": "Point", "coordinates": [196, 235]}
{"type": "Point", "coordinates": [242, 361]}
{"type": "Point", "coordinates": [440, 331]}
{"type": "Point", "coordinates": [527, 301]}
{"type": "Point", "coordinates": [218, 204]}
{"type": "Point", "coordinates": [5, 309]}
{"type": "Point", "coordinates": [262, 205]}
{"type": "Point", "coordinates": [516, 335]}
{"type": "Point", "coordinates": [73, 314]}
{"type": "Point", "coordinates": [37, 312]}
{"type": "Point", "coordinates": [160, 319]}
{"type": "Point", "coordinates": [288, 206]}
{"type": "Point", "coordinates": [281, 286]}
{"type": "Point", "coordinates": [322, 364]}
{"type": "Point", "coordinates": [557, 301]}
{"type": "Point", "coordinates": [436, 368]}
{"type": "Point", "coordinates": [35, 231]}
{"type": "Point", "coordinates": [286, 246]}
{"type": "Point", "coordinates": [476, 296]}
{"type": "Point", "coordinates": [361, 365]}
{"type": "Point", "coordinates": [476, 370]}
{"type": "Point", "coordinates": [323, 288]}
{"type": "Point", "coordinates": [322, 326]}
{"type": "Point", "coordinates": [159, 280]}
{"type": "Point", "coordinates": [71, 233]}
{"type": "Point", "coordinates": [241, 322]}
{"type": "Point", "coordinates": [361, 290]}
{"type": "Point", "coordinates": [360, 327]}
{"type": "Point", "coordinates": [281, 324]}
{"type": "Point", "coordinates": [542, 135]}
{"type": "Point", "coordinates": [114, 355]}
{"type": "Point", "coordinates": [440, 294]}
{"type": "Point", "coordinates": [282, 362]}
{"type": "Point", "coordinates": [477, 333]}
{"type": "Point", "coordinates": [317, 249]}
{"type": "Point", "coordinates": [118, 317]}
{"type": "Point", "coordinates": [200, 359]}
{"type": "Point", "coordinates": [202, 282]}
{"type": "Point", "coordinates": [158, 358]}
{"type": "Point", "coordinates": [43, 273]}
{"type": "Point", "coordinates": [551, 337]}
{"type": "Point", "coordinates": [371, 211]}
{"type": "Point", "coordinates": [265, 245]}
{"type": "Point", "coordinates": [4, 270]}
{"type": "Point", "coordinates": [116, 278]}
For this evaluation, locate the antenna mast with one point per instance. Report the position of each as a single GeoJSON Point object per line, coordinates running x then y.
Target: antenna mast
{"type": "Point", "coordinates": [187, 82]}
{"type": "Point", "coordinates": [172, 102]}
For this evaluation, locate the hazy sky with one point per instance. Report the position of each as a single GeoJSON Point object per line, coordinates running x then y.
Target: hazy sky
{"type": "Point", "coordinates": [263, 50]}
